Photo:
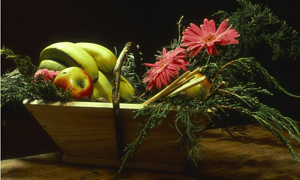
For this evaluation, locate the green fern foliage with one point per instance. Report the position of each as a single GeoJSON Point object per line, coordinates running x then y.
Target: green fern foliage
{"type": "Point", "coordinates": [233, 76]}
{"type": "Point", "coordinates": [258, 25]}
{"type": "Point", "coordinates": [20, 84]}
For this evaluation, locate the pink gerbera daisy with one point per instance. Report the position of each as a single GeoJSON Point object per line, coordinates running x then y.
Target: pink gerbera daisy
{"type": "Point", "coordinates": [167, 66]}
{"type": "Point", "coordinates": [196, 38]}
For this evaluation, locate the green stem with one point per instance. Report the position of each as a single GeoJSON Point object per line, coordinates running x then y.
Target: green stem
{"type": "Point", "coordinates": [136, 142]}
{"type": "Point", "coordinates": [270, 128]}
{"type": "Point", "coordinates": [207, 62]}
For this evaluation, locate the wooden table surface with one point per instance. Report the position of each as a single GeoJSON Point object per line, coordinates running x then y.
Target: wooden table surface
{"type": "Point", "coordinates": [260, 156]}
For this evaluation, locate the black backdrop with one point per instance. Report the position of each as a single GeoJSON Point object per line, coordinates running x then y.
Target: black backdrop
{"type": "Point", "coordinates": [29, 26]}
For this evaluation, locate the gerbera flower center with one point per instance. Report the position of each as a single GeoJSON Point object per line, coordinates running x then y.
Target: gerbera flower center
{"type": "Point", "coordinates": [209, 38]}
{"type": "Point", "coordinates": [162, 66]}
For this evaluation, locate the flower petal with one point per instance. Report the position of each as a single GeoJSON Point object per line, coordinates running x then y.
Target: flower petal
{"type": "Point", "coordinates": [149, 65]}
{"type": "Point", "coordinates": [196, 51]}
{"type": "Point", "coordinates": [212, 26]}
{"type": "Point", "coordinates": [209, 50]}
{"type": "Point", "coordinates": [191, 38]}
{"type": "Point", "coordinates": [205, 26]}
{"type": "Point", "coordinates": [164, 52]}
{"type": "Point", "coordinates": [222, 27]}
{"type": "Point", "coordinates": [196, 29]}
{"type": "Point", "coordinates": [150, 85]}
{"type": "Point", "coordinates": [191, 47]}
{"type": "Point", "coordinates": [158, 82]}
{"type": "Point", "coordinates": [212, 50]}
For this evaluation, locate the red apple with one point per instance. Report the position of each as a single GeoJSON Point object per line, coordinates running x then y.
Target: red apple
{"type": "Point", "coordinates": [197, 90]}
{"type": "Point", "coordinates": [77, 80]}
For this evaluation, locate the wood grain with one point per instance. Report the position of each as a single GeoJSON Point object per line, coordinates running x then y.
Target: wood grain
{"type": "Point", "coordinates": [78, 131]}
{"type": "Point", "coordinates": [85, 132]}
{"type": "Point", "coordinates": [258, 157]}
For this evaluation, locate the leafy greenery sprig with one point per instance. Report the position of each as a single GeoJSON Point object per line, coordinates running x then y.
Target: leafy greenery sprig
{"type": "Point", "coordinates": [266, 117]}
{"type": "Point", "coordinates": [155, 118]}
{"type": "Point", "coordinates": [20, 84]}
{"type": "Point", "coordinates": [251, 68]}
{"type": "Point", "coordinates": [261, 28]}
{"type": "Point", "coordinates": [233, 77]}
{"type": "Point", "coordinates": [224, 97]}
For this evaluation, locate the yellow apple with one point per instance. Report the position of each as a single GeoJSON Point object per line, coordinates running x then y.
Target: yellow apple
{"type": "Point", "coordinates": [77, 80]}
{"type": "Point", "coordinates": [199, 89]}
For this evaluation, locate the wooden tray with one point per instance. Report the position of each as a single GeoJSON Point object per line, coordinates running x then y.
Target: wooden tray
{"type": "Point", "coordinates": [85, 132]}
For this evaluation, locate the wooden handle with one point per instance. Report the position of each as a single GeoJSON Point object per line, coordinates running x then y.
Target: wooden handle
{"type": "Point", "coordinates": [130, 47]}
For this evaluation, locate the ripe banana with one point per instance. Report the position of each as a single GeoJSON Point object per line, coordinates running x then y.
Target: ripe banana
{"type": "Point", "coordinates": [127, 91]}
{"type": "Point", "coordinates": [104, 87]}
{"type": "Point", "coordinates": [96, 94]}
{"type": "Point", "coordinates": [103, 57]}
{"type": "Point", "coordinates": [72, 55]}
{"type": "Point", "coordinates": [52, 65]}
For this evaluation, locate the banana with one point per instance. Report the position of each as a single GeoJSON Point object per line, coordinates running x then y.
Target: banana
{"type": "Point", "coordinates": [96, 94]}
{"type": "Point", "coordinates": [104, 58]}
{"type": "Point", "coordinates": [127, 91]}
{"type": "Point", "coordinates": [104, 87]}
{"type": "Point", "coordinates": [72, 55]}
{"type": "Point", "coordinates": [52, 65]}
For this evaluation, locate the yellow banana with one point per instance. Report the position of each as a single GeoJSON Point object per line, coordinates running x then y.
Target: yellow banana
{"type": "Point", "coordinates": [96, 94]}
{"type": "Point", "coordinates": [104, 87]}
{"type": "Point", "coordinates": [127, 91]}
{"type": "Point", "coordinates": [52, 65]}
{"type": "Point", "coordinates": [72, 55]}
{"type": "Point", "coordinates": [103, 57]}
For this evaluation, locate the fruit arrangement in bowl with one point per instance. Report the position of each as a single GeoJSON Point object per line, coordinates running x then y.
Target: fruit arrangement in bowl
{"type": "Point", "coordinates": [89, 72]}
{"type": "Point", "coordinates": [85, 68]}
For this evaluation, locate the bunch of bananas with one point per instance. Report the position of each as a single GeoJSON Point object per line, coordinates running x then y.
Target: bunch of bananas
{"type": "Point", "coordinates": [95, 59]}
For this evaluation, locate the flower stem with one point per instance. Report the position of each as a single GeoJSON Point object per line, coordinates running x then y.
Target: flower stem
{"type": "Point", "coordinates": [207, 62]}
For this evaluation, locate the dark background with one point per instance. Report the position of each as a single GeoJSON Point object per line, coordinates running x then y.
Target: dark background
{"type": "Point", "coordinates": [29, 26]}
